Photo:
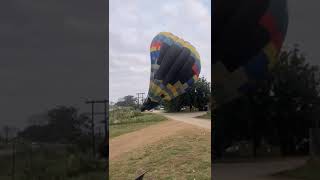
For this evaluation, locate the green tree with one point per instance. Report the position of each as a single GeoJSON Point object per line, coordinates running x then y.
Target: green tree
{"type": "Point", "coordinates": [127, 101]}
{"type": "Point", "coordinates": [200, 94]}
{"type": "Point", "coordinates": [295, 91]}
{"type": "Point", "coordinates": [63, 120]}
{"type": "Point", "coordinates": [197, 96]}
{"type": "Point", "coordinates": [176, 104]}
{"type": "Point", "coordinates": [281, 110]}
{"type": "Point", "coordinates": [63, 125]}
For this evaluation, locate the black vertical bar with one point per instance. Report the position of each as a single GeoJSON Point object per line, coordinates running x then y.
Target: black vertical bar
{"type": "Point", "coordinates": [105, 119]}
{"type": "Point", "coordinates": [107, 80]}
{"type": "Point", "coordinates": [106, 108]}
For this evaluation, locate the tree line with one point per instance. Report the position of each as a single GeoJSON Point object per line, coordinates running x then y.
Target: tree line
{"type": "Point", "coordinates": [280, 112]}
{"type": "Point", "coordinates": [61, 124]}
{"type": "Point", "coordinates": [198, 96]}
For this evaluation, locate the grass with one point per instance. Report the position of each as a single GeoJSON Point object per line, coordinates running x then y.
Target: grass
{"type": "Point", "coordinates": [206, 116]}
{"type": "Point", "coordinates": [47, 163]}
{"type": "Point", "coordinates": [183, 156]}
{"type": "Point", "coordinates": [127, 120]}
{"type": "Point", "coordinates": [309, 171]}
{"type": "Point", "coordinates": [117, 130]}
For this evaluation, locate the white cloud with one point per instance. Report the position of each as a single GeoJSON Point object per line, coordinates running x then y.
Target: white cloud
{"type": "Point", "coordinates": [133, 24]}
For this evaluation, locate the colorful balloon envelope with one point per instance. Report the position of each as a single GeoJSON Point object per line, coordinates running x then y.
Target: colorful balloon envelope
{"type": "Point", "coordinates": [248, 36]}
{"type": "Point", "coordinates": [175, 67]}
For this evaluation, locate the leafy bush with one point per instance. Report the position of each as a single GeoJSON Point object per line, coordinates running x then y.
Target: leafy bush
{"type": "Point", "coordinates": [135, 117]}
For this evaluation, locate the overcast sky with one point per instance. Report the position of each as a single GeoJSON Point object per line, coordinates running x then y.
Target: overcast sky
{"type": "Point", "coordinates": [52, 52]}
{"type": "Point", "coordinates": [133, 24]}
{"type": "Point", "coordinates": [304, 28]}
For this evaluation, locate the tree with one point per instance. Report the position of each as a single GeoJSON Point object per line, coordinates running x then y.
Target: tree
{"type": "Point", "coordinates": [63, 125]}
{"type": "Point", "coordinates": [83, 138]}
{"type": "Point", "coordinates": [127, 101]}
{"type": "Point", "coordinates": [200, 94]}
{"type": "Point", "coordinates": [280, 110]}
{"type": "Point", "coordinates": [295, 96]}
{"type": "Point", "coordinates": [176, 104]}
{"type": "Point", "coordinates": [197, 96]}
{"type": "Point", "coordinates": [63, 120]}
{"type": "Point", "coordinates": [37, 119]}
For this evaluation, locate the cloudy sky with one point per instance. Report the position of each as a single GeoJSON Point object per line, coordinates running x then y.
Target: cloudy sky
{"type": "Point", "coordinates": [304, 28]}
{"type": "Point", "coordinates": [52, 52]}
{"type": "Point", "coordinates": [133, 24]}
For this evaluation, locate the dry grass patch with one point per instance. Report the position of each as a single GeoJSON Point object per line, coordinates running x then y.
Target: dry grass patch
{"type": "Point", "coordinates": [186, 155]}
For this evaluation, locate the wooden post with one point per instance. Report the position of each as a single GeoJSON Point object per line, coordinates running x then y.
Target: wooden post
{"type": "Point", "coordinates": [93, 113]}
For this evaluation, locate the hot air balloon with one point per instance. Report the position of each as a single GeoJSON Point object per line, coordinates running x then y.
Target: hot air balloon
{"type": "Point", "coordinates": [175, 67]}
{"type": "Point", "coordinates": [248, 35]}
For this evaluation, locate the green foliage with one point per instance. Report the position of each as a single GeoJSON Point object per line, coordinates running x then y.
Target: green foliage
{"type": "Point", "coordinates": [127, 101]}
{"type": "Point", "coordinates": [129, 115]}
{"type": "Point", "coordinates": [125, 120]}
{"type": "Point", "coordinates": [200, 93]}
{"type": "Point", "coordinates": [52, 162]}
{"type": "Point", "coordinates": [279, 112]}
{"type": "Point", "coordinates": [123, 115]}
{"type": "Point", "coordinates": [198, 96]}
{"type": "Point", "coordinates": [64, 125]}
{"type": "Point", "coordinates": [140, 119]}
{"type": "Point", "coordinates": [184, 156]}
{"type": "Point", "coordinates": [176, 104]}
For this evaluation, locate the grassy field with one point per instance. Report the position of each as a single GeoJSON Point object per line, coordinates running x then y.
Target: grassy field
{"type": "Point", "coordinates": [310, 171]}
{"type": "Point", "coordinates": [184, 156]}
{"type": "Point", "coordinates": [128, 120]}
{"type": "Point", "coordinates": [206, 116]}
{"type": "Point", "coordinates": [51, 163]}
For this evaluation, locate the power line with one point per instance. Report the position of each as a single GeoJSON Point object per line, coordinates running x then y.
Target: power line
{"type": "Point", "coordinates": [93, 113]}
{"type": "Point", "coordinates": [140, 96]}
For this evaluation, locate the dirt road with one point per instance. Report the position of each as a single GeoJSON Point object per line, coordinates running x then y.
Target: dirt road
{"type": "Point", "coordinates": [254, 170]}
{"type": "Point", "coordinates": [176, 123]}
{"type": "Point", "coordinates": [189, 118]}
{"type": "Point", "coordinates": [130, 141]}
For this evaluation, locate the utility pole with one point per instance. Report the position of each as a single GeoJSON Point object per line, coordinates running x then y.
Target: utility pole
{"type": "Point", "coordinates": [142, 98]}
{"type": "Point", "coordinates": [106, 119]}
{"type": "Point", "coordinates": [93, 113]}
{"type": "Point", "coordinates": [92, 130]}
{"type": "Point", "coordinates": [140, 95]}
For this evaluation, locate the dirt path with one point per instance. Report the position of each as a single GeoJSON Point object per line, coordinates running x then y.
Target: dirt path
{"type": "Point", "coordinates": [151, 134]}
{"type": "Point", "coordinates": [189, 118]}
{"type": "Point", "coordinates": [254, 170]}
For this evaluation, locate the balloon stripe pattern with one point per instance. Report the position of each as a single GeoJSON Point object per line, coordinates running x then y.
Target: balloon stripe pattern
{"type": "Point", "coordinates": [175, 66]}
{"type": "Point", "coordinates": [248, 39]}
{"type": "Point", "coordinates": [274, 23]}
